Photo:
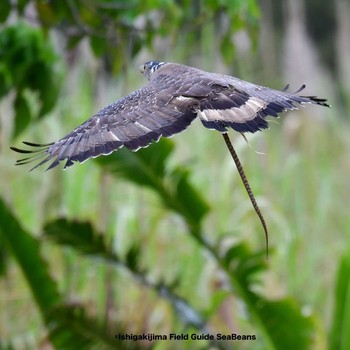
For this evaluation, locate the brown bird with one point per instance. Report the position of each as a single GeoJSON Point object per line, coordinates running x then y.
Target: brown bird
{"type": "Point", "coordinates": [174, 96]}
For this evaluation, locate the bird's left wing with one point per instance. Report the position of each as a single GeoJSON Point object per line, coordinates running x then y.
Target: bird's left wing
{"type": "Point", "coordinates": [134, 121]}
{"type": "Point", "coordinates": [243, 106]}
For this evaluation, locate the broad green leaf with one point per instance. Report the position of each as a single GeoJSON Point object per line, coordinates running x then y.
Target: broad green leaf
{"type": "Point", "coordinates": [26, 250]}
{"type": "Point", "coordinates": [47, 13]}
{"type": "Point", "coordinates": [235, 254]}
{"type": "Point", "coordinates": [133, 166]}
{"type": "Point", "coordinates": [68, 326]}
{"type": "Point", "coordinates": [22, 114]}
{"type": "Point", "coordinates": [73, 41]}
{"type": "Point", "coordinates": [73, 329]}
{"type": "Point", "coordinates": [148, 167]}
{"type": "Point", "coordinates": [21, 5]}
{"type": "Point", "coordinates": [3, 260]}
{"type": "Point", "coordinates": [281, 322]}
{"type": "Point", "coordinates": [5, 79]}
{"type": "Point", "coordinates": [187, 195]}
{"type": "Point", "coordinates": [84, 239]}
{"type": "Point", "coordinates": [28, 62]}
{"type": "Point", "coordinates": [227, 48]}
{"type": "Point", "coordinates": [64, 232]}
{"type": "Point", "coordinates": [78, 235]}
{"type": "Point", "coordinates": [339, 338]}
{"type": "Point", "coordinates": [5, 9]}
{"type": "Point", "coordinates": [6, 346]}
{"type": "Point", "coordinates": [132, 257]}
{"type": "Point", "coordinates": [216, 300]}
{"type": "Point", "coordinates": [98, 45]}
{"type": "Point", "coordinates": [285, 324]}
{"type": "Point", "coordinates": [145, 167]}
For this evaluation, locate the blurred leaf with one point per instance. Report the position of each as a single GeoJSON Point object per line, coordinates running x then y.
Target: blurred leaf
{"type": "Point", "coordinates": [49, 12]}
{"type": "Point", "coordinates": [189, 198]}
{"type": "Point", "coordinates": [26, 250]}
{"type": "Point", "coordinates": [5, 79]}
{"type": "Point", "coordinates": [69, 328]}
{"type": "Point", "coordinates": [287, 327]}
{"type": "Point", "coordinates": [5, 9]}
{"type": "Point", "coordinates": [22, 114]}
{"type": "Point", "coordinates": [274, 317]}
{"type": "Point", "coordinates": [127, 26]}
{"type": "Point", "coordinates": [73, 329]}
{"type": "Point", "coordinates": [235, 254]}
{"type": "Point", "coordinates": [28, 61]}
{"type": "Point", "coordinates": [98, 45]}
{"type": "Point", "coordinates": [133, 257]}
{"type": "Point", "coordinates": [6, 346]}
{"type": "Point", "coordinates": [339, 338]}
{"type": "Point", "coordinates": [21, 5]}
{"type": "Point", "coordinates": [147, 167]}
{"type": "Point", "coordinates": [227, 48]}
{"type": "Point", "coordinates": [144, 167]}
{"type": "Point", "coordinates": [84, 239]}
{"type": "Point", "coordinates": [79, 235]}
{"type": "Point", "coordinates": [216, 300]}
{"type": "Point", "coordinates": [3, 260]}
{"type": "Point", "coordinates": [66, 232]}
{"type": "Point", "coordinates": [47, 82]}
{"type": "Point", "coordinates": [73, 41]}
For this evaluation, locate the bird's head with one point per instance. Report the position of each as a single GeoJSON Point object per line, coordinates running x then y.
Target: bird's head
{"type": "Point", "coordinates": [150, 67]}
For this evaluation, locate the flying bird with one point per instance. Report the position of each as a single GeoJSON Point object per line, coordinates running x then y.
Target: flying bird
{"type": "Point", "coordinates": [173, 97]}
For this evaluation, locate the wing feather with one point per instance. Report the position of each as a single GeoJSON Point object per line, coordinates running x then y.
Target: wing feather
{"type": "Point", "coordinates": [134, 121]}
{"type": "Point", "coordinates": [244, 106]}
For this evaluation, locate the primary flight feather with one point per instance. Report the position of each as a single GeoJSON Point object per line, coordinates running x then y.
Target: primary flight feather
{"type": "Point", "coordinates": [173, 97]}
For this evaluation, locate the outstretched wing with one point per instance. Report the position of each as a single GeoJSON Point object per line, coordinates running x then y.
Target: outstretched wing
{"type": "Point", "coordinates": [134, 121]}
{"type": "Point", "coordinates": [165, 106]}
{"type": "Point", "coordinates": [243, 106]}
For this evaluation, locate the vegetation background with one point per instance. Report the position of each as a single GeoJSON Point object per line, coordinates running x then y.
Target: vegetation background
{"type": "Point", "coordinates": [165, 240]}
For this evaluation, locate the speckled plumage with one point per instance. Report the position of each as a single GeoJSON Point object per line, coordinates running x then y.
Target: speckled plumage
{"type": "Point", "coordinates": [174, 96]}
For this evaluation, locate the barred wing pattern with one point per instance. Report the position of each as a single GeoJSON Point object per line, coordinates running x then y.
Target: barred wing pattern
{"type": "Point", "coordinates": [172, 99]}
{"type": "Point", "coordinates": [134, 121]}
{"type": "Point", "coordinates": [244, 107]}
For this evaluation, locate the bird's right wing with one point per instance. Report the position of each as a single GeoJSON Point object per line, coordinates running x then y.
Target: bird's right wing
{"type": "Point", "coordinates": [134, 121]}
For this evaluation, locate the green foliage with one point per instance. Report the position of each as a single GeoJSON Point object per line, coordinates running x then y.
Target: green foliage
{"type": "Point", "coordinates": [28, 62]}
{"type": "Point", "coordinates": [71, 329]}
{"type": "Point", "coordinates": [26, 250]}
{"type": "Point", "coordinates": [275, 317]}
{"type": "Point", "coordinates": [117, 31]}
{"type": "Point", "coordinates": [79, 235]}
{"type": "Point", "coordinates": [93, 245]}
{"type": "Point", "coordinates": [283, 319]}
{"type": "Point", "coordinates": [240, 264]}
{"type": "Point", "coordinates": [339, 337]}
{"type": "Point", "coordinates": [23, 113]}
{"type": "Point", "coordinates": [5, 9]}
{"type": "Point", "coordinates": [68, 325]}
{"type": "Point", "coordinates": [6, 346]}
{"type": "Point", "coordinates": [242, 268]}
{"type": "Point", "coordinates": [148, 168]}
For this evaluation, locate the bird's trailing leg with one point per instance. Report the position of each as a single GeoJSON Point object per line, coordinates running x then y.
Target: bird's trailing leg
{"type": "Point", "coordinates": [247, 187]}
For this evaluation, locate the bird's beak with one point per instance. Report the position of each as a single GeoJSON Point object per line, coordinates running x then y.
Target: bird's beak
{"type": "Point", "coordinates": [142, 69]}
